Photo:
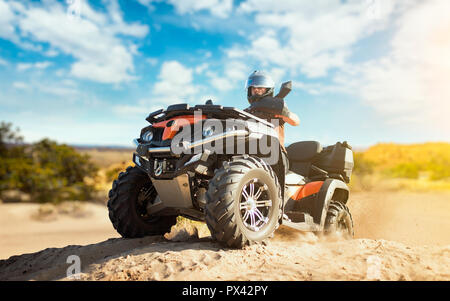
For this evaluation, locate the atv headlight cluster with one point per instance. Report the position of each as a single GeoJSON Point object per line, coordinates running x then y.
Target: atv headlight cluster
{"type": "Point", "coordinates": [147, 136]}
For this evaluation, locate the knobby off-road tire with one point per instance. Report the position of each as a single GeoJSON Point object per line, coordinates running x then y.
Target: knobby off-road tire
{"type": "Point", "coordinates": [339, 220]}
{"type": "Point", "coordinates": [224, 198]}
{"type": "Point", "coordinates": [127, 210]}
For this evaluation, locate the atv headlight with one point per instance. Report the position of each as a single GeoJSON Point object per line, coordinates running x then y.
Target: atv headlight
{"type": "Point", "coordinates": [147, 136]}
{"type": "Point", "coordinates": [208, 131]}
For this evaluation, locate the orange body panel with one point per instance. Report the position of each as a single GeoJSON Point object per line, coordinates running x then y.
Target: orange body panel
{"type": "Point", "coordinates": [307, 190]}
{"type": "Point", "coordinates": [179, 121]}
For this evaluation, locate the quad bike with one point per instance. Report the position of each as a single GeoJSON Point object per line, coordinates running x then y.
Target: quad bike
{"type": "Point", "coordinates": [216, 174]}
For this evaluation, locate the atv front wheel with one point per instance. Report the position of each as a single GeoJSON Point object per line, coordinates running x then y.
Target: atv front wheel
{"type": "Point", "coordinates": [128, 200]}
{"type": "Point", "coordinates": [243, 202]}
{"type": "Point", "coordinates": [339, 220]}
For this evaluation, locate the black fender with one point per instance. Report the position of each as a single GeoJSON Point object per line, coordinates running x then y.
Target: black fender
{"type": "Point", "coordinates": [332, 189]}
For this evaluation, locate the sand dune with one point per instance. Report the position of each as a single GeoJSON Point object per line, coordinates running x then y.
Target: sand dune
{"type": "Point", "coordinates": [398, 236]}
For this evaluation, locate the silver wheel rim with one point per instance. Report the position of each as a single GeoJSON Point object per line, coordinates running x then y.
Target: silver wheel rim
{"type": "Point", "coordinates": [254, 205]}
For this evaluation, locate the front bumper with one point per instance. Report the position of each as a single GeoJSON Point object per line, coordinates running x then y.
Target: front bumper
{"type": "Point", "coordinates": [166, 168]}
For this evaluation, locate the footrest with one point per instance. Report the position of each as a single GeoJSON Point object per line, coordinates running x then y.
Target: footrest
{"type": "Point", "coordinates": [299, 217]}
{"type": "Point", "coordinates": [302, 226]}
{"type": "Point", "coordinates": [300, 221]}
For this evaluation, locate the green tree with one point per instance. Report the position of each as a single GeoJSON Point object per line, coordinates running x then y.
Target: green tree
{"type": "Point", "coordinates": [8, 138]}
{"type": "Point", "coordinates": [48, 171]}
{"type": "Point", "coordinates": [12, 155]}
{"type": "Point", "coordinates": [361, 164]}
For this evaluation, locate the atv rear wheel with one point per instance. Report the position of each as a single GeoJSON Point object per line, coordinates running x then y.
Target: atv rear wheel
{"type": "Point", "coordinates": [127, 204]}
{"type": "Point", "coordinates": [339, 220]}
{"type": "Point", "coordinates": [243, 202]}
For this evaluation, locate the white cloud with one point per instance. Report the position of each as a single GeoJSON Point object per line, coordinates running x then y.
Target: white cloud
{"type": "Point", "coordinates": [69, 83]}
{"type": "Point", "coordinates": [51, 53]}
{"type": "Point", "coordinates": [37, 65]}
{"type": "Point", "coordinates": [236, 70]}
{"type": "Point", "coordinates": [119, 26]}
{"type": "Point", "coordinates": [145, 2]}
{"type": "Point", "coordinates": [66, 88]}
{"type": "Point", "coordinates": [321, 89]}
{"type": "Point", "coordinates": [314, 9]}
{"type": "Point", "coordinates": [152, 61]}
{"type": "Point", "coordinates": [277, 75]}
{"type": "Point", "coordinates": [142, 108]}
{"type": "Point", "coordinates": [6, 21]}
{"type": "Point", "coordinates": [130, 110]}
{"type": "Point", "coordinates": [201, 68]}
{"type": "Point", "coordinates": [20, 85]}
{"type": "Point", "coordinates": [93, 39]}
{"type": "Point", "coordinates": [148, 4]}
{"type": "Point", "coordinates": [218, 8]}
{"type": "Point", "coordinates": [220, 83]}
{"type": "Point", "coordinates": [23, 66]}
{"type": "Point", "coordinates": [3, 62]}
{"type": "Point", "coordinates": [307, 37]}
{"type": "Point", "coordinates": [172, 74]}
{"type": "Point", "coordinates": [234, 75]}
{"type": "Point", "coordinates": [410, 85]}
{"type": "Point", "coordinates": [58, 89]}
{"type": "Point", "coordinates": [250, 6]}
{"type": "Point", "coordinates": [175, 83]}
{"type": "Point", "coordinates": [76, 130]}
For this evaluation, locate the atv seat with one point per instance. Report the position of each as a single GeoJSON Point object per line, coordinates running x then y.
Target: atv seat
{"type": "Point", "coordinates": [301, 155]}
{"type": "Point", "coordinates": [303, 151]}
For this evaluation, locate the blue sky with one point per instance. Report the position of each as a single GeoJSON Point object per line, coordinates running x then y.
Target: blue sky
{"type": "Point", "coordinates": [89, 72]}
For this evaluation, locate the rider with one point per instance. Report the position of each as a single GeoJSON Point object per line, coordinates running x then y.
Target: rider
{"type": "Point", "coordinates": [260, 86]}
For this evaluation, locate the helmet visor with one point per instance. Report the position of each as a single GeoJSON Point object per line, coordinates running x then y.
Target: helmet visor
{"type": "Point", "coordinates": [259, 81]}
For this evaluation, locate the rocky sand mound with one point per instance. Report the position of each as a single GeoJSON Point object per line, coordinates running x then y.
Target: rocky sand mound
{"type": "Point", "coordinates": [289, 255]}
{"type": "Point", "coordinates": [398, 236]}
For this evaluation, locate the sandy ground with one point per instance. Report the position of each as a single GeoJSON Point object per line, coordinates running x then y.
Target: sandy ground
{"type": "Point", "coordinates": [21, 233]}
{"type": "Point", "coordinates": [398, 236]}
{"type": "Point", "coordinates": [411, 218]}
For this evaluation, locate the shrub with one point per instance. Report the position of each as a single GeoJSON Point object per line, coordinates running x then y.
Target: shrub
{"type": "Point", "coordinates": [8, 137]}
{"type": "Point", "coordinates": [361, 164]}
{"type": "Point", "coordinates": [404, 170]}
{"type": "Point", "coordinates": [46, 170]}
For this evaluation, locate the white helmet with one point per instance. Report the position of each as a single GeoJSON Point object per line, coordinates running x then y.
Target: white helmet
{"type": "Point", "coordinates": [259, 79]}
